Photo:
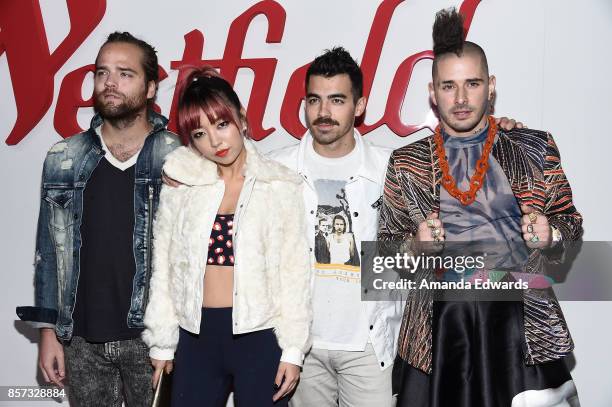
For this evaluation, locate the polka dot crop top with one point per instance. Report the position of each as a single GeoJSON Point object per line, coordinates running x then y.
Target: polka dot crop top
{"type": "Point", "coordinates": [220, 243]}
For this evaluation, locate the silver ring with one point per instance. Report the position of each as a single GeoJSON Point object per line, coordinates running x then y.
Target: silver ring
{"type": "Point", "coordinates": [436, 232]}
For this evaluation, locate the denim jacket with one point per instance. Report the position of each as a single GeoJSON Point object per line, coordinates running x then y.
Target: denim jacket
{"type": "Point", "coordinates": [66, 170]}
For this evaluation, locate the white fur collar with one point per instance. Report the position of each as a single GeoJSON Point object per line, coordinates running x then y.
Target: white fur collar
{"type": "Point", "coordinates": [188, 167]}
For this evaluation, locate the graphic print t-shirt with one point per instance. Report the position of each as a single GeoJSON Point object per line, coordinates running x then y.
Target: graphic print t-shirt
{"type": "Point", "coordinates": [340, 321]}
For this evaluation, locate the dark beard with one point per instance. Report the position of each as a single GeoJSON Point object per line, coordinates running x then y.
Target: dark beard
{"type": "Point", "coordinates": [120, 115]}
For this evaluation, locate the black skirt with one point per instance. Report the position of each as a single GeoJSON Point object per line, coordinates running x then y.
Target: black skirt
{"type": "Point", "coordinates": [478, 359]}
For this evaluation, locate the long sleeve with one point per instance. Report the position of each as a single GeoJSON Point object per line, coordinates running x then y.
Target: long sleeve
{"type": "Point", "coordinates": [395, 222]}
{"type": "Point", "coordinates": [44, 313]}
{"type": "Point", "coordinates": [559, 205]}
{"type": "Point", "coordinates": [293, 331]}
{"type": "Point", "coordinates": [160, 320]}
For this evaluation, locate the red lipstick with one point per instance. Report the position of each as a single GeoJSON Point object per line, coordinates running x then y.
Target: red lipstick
{"type": "Point", "coordinates": [222, 153]}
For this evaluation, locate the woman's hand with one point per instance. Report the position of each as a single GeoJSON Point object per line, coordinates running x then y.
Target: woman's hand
{"type": "Point", "coordinates": [286, 378]}
{"type": "Point", "coordinates": [160, 366]}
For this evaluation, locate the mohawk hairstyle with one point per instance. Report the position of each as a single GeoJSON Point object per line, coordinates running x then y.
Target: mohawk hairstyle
{"type": "Point", "coordinates": [449, 37]}
{"type": "Point", "coordinates": [448, 34]}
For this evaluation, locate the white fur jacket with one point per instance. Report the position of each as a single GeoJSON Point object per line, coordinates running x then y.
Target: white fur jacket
{"type": "Point", "coordinates": [272, 274]}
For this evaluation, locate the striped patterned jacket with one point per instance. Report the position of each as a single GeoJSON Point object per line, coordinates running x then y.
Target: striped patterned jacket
{"type": "Point", "coordinates": [530, 159]}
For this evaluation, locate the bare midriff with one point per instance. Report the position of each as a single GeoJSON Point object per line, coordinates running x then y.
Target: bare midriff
{"type": "Point", "coordinates": [218, 287]}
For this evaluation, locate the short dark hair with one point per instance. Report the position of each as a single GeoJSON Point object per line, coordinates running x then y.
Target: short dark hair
{"type": "Point", "coordinates": [449, 37]}
{"type": "Point", "coordinates": [337, 61]}
{"type": "Point", "coordinates": [149, 55]}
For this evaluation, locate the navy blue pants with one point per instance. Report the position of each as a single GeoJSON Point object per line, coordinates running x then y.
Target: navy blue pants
{"type": "Point", "coordinates": [210, 365]}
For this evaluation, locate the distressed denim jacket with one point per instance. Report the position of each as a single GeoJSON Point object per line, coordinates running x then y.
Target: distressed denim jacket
{"type": "Point", "coordinates": [66, 170]}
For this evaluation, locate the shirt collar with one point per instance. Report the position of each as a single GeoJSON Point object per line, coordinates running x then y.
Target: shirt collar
{"type": "Point", "coordinates": [367, 169]}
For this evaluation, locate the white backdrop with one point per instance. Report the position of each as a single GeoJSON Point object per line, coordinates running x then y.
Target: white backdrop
{"type": "Point", "coordinates": [551, 58]}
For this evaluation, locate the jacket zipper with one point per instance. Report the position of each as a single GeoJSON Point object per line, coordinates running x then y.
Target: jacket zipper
{"type": "Point", "coordinates": [148, 270]}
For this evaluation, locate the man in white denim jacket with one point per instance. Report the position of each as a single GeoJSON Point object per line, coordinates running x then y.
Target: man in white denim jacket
{"type": "Point", "coordinates": [354, 341]}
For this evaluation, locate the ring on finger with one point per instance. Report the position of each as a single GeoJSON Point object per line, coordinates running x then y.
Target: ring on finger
{"type": "Point", "coordinates": [436, 232]}
{"type": "Point", "coordinates": [530, 228]}
{"type": "Point", "coordinates": [431, 223]}
{"type": "Point", "coordinates": [533, 217]}
{"type": "Point", "coordinates": [534, 238]}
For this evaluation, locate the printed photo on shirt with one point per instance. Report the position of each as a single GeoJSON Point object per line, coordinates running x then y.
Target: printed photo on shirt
{"type": "Point", "coordinates": [334, 239]}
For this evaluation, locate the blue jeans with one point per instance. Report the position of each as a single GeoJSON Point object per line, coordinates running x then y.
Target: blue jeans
{"type": "Point", "coordinates": [106, 374]}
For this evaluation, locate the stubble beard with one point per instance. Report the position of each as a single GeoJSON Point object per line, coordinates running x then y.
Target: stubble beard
{"type": "Point", "coordinates": [122, 114]}
{"type": "Point", "coordinates": [325, 139]}
{"type": "Point", "coordinates": [337, 133]}
{"type": "Point", "coordinates": [465, 127]}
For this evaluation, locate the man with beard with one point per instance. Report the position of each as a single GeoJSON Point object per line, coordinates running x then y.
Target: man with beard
{"type": "Point", "coordinates": [99, 193]}
{"type": "Point", "coordinates": [473, 182]}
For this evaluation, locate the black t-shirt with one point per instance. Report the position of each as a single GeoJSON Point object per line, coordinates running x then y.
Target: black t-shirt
{"type": "Point", "coordinates": [107, 266]}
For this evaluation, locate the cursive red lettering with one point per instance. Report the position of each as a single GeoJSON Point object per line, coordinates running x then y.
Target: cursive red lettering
{"type": "Point", "coordinates": [31, 65]}
{"type": "Point", "coordinates": [263, 68]}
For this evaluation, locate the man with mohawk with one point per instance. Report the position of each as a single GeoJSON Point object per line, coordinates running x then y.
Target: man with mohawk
{"type": "Point", "coordinates": [497, 186]}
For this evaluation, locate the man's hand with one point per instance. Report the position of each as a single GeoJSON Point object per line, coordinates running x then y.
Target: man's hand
{"type": "Point", "coordinates": [286, 378]}
{"type": "Point", "coordinates": [51, 357]}
{"type": "Point", "coordinates": [430, 235]}
{"type": "Point", "coordinates": [159, 366]}
{"type": "Point", "coordinates": [431, 229]}
{"type": "Point", "coordinates": [535, 227]}
{"type": "Point", "coordinates": [509, 124]}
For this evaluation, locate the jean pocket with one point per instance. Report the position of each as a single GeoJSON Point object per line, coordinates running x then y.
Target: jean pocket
{"type": "Point", "coordinates": [60, 208]}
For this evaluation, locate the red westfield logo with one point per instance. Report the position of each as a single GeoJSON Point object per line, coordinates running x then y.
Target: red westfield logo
{"type": "Point", "coordinates": [32, 67]}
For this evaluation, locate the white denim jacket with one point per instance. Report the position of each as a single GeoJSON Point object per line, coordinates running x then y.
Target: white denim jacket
{"type": "Point", "coordinates": [363, 190]}
{"type": "Point", "coordinates": [272, 270]}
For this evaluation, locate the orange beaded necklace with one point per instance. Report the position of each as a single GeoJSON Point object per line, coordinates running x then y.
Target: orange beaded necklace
{"type": "Point", "coordinates": [482, 165]}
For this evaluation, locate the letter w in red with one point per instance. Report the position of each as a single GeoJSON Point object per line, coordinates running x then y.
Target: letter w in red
{"type": "Point", "coordinates": [32, 67]}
